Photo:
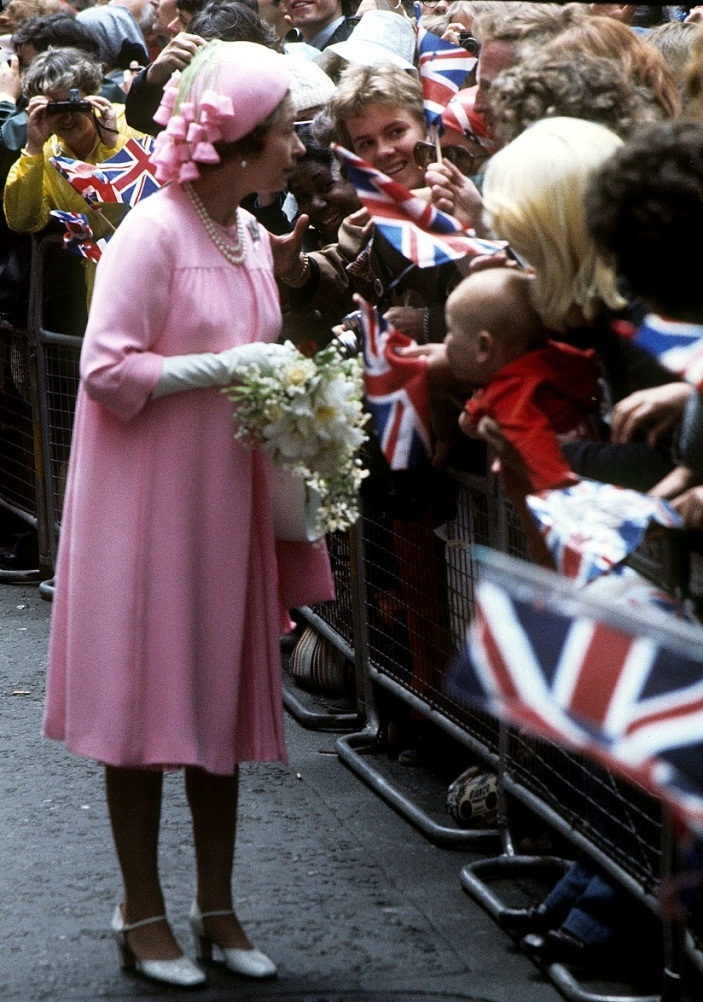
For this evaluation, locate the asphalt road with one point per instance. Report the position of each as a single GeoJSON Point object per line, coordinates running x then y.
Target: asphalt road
{"type": "Point", "coordinates": [351, 902]}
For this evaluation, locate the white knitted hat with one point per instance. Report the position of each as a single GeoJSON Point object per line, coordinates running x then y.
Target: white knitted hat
{"type": "Point", "coordinates": [310, 87]}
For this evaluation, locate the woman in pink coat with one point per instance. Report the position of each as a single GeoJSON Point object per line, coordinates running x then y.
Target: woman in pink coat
{"type": "Point", "coordinates": [170, 590]}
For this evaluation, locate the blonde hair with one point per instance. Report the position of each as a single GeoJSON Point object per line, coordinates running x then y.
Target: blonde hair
{"type": "Point", "coordinates": [534, 191]}
{"type": "Point", "coordinates": [382, 83]}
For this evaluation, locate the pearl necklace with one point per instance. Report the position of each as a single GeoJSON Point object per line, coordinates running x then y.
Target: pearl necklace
{"type": "Point", "coordinates": [234, 252]}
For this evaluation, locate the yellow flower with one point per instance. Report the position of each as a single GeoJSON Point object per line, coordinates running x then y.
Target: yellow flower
{"type": "Point", "coordinates": [326, 413]}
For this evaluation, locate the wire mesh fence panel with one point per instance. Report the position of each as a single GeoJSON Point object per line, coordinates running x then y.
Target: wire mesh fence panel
{"type": "Point", "coordinates": [18, 459]}
{"type": "Point", "coordinates": [339, 614]}
{"type": "Point", "coordinates": [418, 580]}
{"type": "Point", "coordinates": [60, 363]}
{"type": "Point", "coordinates": [617, 817]}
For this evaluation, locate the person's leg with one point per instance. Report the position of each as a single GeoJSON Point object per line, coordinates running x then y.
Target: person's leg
{"type": "Point", "coordinates": [213, 804]}
{"type": "Point", "coordinates": [566, 892]}
{"type": "Point", "coordinates": [134, 805]}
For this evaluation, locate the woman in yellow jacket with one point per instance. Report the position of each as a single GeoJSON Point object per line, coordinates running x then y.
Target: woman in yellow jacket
{"type": "Point", "coordinates": [87, 127]}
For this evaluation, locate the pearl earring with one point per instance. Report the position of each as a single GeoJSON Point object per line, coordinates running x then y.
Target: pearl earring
{"type": "Point", "coordinates": [243, 164]}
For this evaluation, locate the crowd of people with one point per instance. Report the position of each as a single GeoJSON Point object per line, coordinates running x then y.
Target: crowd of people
{"type": "Point", "coordinates": [577, 139]}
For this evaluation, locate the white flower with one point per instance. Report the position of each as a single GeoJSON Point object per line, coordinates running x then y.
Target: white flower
{"type": "Point", "coordinates": [307, 414]}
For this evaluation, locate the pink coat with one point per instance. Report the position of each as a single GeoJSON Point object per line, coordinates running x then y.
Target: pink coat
{"type": "Point", "coordinates": [170, 592]}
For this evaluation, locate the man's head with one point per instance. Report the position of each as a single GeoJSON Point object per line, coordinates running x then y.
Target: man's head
{"type": "Point", "coordinates": [52, 30]}
{"type": "Point", "coordinates": [312, 16]}
{"type": "Point", "coordinates": [505, 33]}
{"type": "Point", "coordinates": [490, 322]}
{"type": "Point", "coordinates": [165, 17]}
{"type": "Point", "coordinates": [572, 85]}
{"type": "Point", "coordinates": [645, 210]}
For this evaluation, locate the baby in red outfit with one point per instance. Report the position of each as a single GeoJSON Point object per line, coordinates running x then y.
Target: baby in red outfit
{"type": "Point", "coordinates": [538, 390]}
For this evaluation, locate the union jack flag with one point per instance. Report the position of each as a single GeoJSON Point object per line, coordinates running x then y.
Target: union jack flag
{"type": "Point", "coordinates": [443, 69]}
{"type": "Point", "coordinates": [676, 345]}
{"type": "Point", "coordinates": [419, 231]}
{"type": "Point", "coordinates": [79, 237]}
{"type": "Point", "coordinates": [620, 686]}
{"type": "Point", "coordinates": [396, 392]}
{"type": "Point", "coordinates": [590, 527]}
{"type": "Point", "coordinates": [127, 177]}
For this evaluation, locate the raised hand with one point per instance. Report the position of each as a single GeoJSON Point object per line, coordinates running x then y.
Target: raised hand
{"type": "Point", "coordinates": [655, 410]}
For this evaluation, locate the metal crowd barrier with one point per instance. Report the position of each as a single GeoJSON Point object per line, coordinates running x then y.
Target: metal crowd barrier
{"type": "Point", "coordinates": [404, 598]}
{"type": "Point", "coordinates": [413, 599]}
{"type": "Point", "coordinates": [38, 384]}
{"type": "Point", "coordinates": [57, 358]}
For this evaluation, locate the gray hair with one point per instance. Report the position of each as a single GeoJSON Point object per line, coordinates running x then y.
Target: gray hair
{"type": "Point", "coordinates": [62, 69]}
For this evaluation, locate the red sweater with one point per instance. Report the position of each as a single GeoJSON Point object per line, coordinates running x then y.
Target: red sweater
{"type": "Point", "coordinates": [547, 394]}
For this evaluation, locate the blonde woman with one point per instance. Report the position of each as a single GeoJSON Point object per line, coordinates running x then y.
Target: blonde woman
{"type": "Point", "coordinates": [534, 194]}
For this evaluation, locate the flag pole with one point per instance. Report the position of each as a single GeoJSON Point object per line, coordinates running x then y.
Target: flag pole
{"type": "Point", "coordinates": [98, 209]}
{"type": "Point", "coordinates": [438, 148]}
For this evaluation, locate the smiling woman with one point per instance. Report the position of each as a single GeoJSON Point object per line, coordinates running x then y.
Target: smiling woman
{"type": "Point", "coordinates": [378, 113]}
{"type": "Point", "coordinates": [319, 189]}
{"type": "Point", "coordinates": [94, 131]}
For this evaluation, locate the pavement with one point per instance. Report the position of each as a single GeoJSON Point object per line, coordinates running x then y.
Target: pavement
{"type": "Point", "coordinates": [352, 903]}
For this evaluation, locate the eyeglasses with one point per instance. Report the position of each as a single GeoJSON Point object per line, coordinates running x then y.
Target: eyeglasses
{"type": "Point", "coordinates": [426, 153]}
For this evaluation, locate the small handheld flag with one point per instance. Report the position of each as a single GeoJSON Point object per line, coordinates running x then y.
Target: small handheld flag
{"type": "Point", "coordinates": [126, 177]}
{"type": "Point", "coordinates": [79, 237]}
{"type": "Point", "coordinates": [676, 345]}
{"type": "Point", "coordinates": [443, 69]}
{"type": "Point", "coordinates": [591, 527]}
{"type": "Point", "coordinates": [396, 392]}
{"type": "Point", "coordinates": [416, 228]}
{"type": "Point", "coordinates": [624, 687]}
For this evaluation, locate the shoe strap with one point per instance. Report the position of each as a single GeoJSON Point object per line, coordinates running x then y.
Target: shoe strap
{"type": "Point", "coordinates": [227, 911]}
{"type": "Point", "coordinates": [147, 921]}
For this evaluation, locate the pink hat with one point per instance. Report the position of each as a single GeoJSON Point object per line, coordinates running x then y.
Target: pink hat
{"type": "Point", "coordinates": [227, 90]}
{"type": "Point", "coordinates": [459, 116]}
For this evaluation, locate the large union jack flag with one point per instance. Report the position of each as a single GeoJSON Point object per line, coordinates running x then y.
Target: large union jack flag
{"type": "Point", "coordinates": [590, 527]}
{"type": "Point", "coordinates": [622, 687]}
{"type": "Point", "coordinates": [443, 69]}
{"type": "Point", "coordinates": [676, 345]}
{"type": "Point", "coordinates": [419, 231]}
{"type": "Point", "coordinates": [126, 177]}
{"type": "Point", "coordinates": [396, 392]}
{"type": "Point", "coordinates": [79, 237]}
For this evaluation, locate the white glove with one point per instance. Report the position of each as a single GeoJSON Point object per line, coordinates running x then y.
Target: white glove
{"type": "Point", "coordinates": [206, 369]}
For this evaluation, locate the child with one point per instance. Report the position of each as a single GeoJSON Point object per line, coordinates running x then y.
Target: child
{"type": "Point", "coordinates": [538, 390]}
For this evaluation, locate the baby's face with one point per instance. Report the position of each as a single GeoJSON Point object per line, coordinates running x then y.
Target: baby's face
{"type": "Point", "coordinates": [462, 346]}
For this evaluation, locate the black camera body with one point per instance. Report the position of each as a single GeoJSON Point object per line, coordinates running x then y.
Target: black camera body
{"type": "Point", "coordinates": [75, 103]}
{"type": "Point", "coordinates": [468, 42]}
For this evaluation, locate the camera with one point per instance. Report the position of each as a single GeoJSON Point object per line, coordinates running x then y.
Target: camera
{"type": "Point", "coordinates": [75, 103]}
{"type": "Point", "coordinates": [468, 42]}
{"type": "Point", "coordinates": [348, 340]}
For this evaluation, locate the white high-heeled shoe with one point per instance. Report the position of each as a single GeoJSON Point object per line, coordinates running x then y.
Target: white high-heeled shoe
{"type": "Point", "coordinates": [181, 971]}
{"type": "Point", "coordinates": [248, 963]}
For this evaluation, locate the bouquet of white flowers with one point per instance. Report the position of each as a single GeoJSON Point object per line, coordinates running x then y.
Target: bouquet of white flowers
{"type": "Point", "coordinates": [307, 415]}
